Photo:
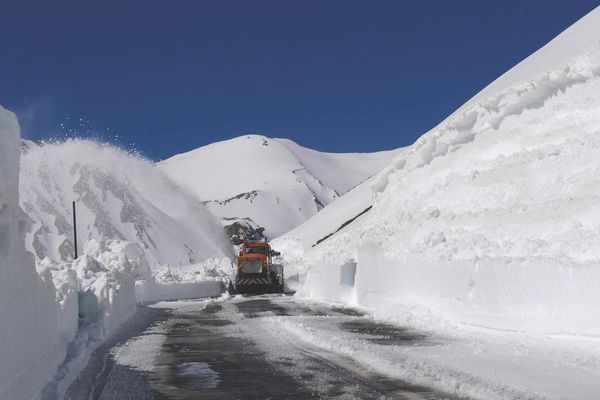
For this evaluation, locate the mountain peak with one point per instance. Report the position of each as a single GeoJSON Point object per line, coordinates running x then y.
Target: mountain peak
{"type": "Point", "coordinates": [275, 182]}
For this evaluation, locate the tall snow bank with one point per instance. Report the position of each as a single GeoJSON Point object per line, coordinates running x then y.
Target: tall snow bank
{"type": "Point", "coordinates": [33, 339]}
{"type": "Point", "coordinates": [106, 281]}
{"type": "Point", "coordinates": [102, 280]}
{"type": "Point", "coordinates": [491, 218]}
{"type": "Point", "coordinates": [119, 195]}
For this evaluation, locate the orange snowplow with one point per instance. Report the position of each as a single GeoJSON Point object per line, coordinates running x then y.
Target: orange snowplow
{"type": "Point", "coordinates": [256, 272]}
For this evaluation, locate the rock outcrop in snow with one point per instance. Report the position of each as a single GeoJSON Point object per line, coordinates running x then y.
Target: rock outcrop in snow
{"type": "Point", "coordinates": [490, 219]}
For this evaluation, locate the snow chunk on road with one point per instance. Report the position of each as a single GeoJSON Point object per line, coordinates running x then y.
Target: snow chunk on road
{"type": "Point", "coordinates": [199, 374]}
{"type": "Point", "coordinates": [140, 352]}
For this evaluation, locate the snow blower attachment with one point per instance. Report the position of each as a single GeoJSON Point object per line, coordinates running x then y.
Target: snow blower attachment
{"type": "Point", "coordinates": [256, 272]}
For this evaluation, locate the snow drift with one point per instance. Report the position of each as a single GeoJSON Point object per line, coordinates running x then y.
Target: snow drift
{"type": "Point", "coordinates": [491, 218]}
{"type": "Point", "coordinates": [274, 182]}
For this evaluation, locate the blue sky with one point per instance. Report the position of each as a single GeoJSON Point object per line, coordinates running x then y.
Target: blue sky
{"type": "Point", "coordinates": [332, 75]}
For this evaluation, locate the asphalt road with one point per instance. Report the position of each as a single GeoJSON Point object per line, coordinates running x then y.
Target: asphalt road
{"type": "Point", "coordinates": [222, 351]}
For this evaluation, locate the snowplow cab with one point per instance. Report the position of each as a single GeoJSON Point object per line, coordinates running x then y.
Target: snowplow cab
{"type": "Point", "coordinates": [255, 270]}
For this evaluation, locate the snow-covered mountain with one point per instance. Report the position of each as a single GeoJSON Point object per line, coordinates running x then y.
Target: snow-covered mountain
{"type": "Point", "coordinates": [491, 218]}
{"type": "Point", "coordinates": [276, 183]}
{"type": "Point", "coordinates": [119, 196]}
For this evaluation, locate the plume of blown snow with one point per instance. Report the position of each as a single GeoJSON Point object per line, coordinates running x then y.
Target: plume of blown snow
{"type": "Point", "coordinates": [119, 195]}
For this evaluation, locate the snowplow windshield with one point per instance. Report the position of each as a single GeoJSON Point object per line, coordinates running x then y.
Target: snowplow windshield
{"type": "Point", "coordinates": [255, 250]}
{"type": "Point", "coordinates": [252, 267]}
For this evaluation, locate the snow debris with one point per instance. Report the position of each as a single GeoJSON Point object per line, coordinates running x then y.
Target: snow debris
{"type": "Point", "coordinates": [140, 352]}
{"type": "Point", "coordinates": [199, 375]}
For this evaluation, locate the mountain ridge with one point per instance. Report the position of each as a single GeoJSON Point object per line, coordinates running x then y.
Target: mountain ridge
{"type": "Point", "coordinates": [276, 183]}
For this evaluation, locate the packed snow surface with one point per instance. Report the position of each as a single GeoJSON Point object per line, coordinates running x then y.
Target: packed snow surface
{"type": "Point", "coordinates": [469, 363]}
{"type": "Point", "coordinates": [275, 182]}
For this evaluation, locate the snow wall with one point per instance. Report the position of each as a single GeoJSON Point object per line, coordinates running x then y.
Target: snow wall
{"type": "Point", "coordinates": [534, 295]}
{"type": "Point", "coordinates": [54, 314]}
{"type": "Point", "coordinates": [492, 218]}
{"type": "Point", "coordinates": [33, 337]}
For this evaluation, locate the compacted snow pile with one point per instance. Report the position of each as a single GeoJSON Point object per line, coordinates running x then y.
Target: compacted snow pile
{"type": "Point", "coordinates": [274, 182]}
{"type": "Point", "coordinates": [119, 196]}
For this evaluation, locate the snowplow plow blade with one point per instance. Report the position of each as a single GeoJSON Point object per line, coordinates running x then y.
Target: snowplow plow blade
{"type": "Point", "coordinates": [255, 285]}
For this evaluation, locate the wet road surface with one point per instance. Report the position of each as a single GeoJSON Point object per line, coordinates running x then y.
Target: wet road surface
{"type": "Point", "coordinates": [225, 350]}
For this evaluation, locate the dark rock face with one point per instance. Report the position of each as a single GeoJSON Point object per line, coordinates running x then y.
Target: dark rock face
{"type": "Point", "coordinates": [242, 196]}
{"type": "Point", "coordinates": [239, 229]}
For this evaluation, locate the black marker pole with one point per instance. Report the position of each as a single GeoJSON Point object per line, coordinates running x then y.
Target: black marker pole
{"type": "Point", "coordinates": [75, 228]}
